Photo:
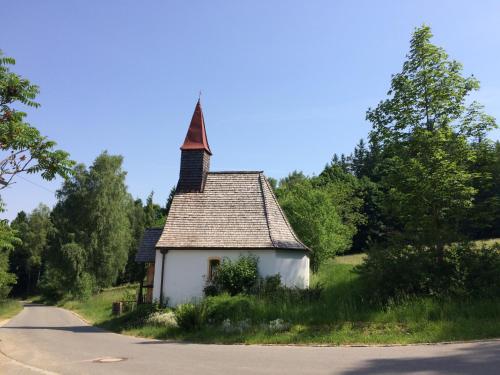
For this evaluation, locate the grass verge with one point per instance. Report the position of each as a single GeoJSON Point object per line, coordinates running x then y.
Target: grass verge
{"type": "Point", "coordinates": [9, 308]}
{"type": "Point", "coordinates": [97, 309]}
{"type": "Point", "coordinates": [340, 316]}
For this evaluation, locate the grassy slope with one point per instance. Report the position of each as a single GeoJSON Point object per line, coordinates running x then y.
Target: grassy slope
{"type": "Point", "coordinates": [9, 308]}
{"type": "Point", "coordinates": [340, 317]}
{"type": "Point", "coordinates": [97, 309]}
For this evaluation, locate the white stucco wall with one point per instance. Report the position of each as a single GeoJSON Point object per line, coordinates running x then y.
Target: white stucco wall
{"type": "Point", "coordinates": [185, 270]}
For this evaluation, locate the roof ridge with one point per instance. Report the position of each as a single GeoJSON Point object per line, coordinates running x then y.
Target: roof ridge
{"type": "Point", "coordinates": [282, 213]}
{"type": "Point", "coordinates": [234, 172]}
{"type": "Point", "coordinates": [261, 175]}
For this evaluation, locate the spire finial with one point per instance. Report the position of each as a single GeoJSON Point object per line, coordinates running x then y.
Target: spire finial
{"type": "Point", "coordinates": [199, 95]}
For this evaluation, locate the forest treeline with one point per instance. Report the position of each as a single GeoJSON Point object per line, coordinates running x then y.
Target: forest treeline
{"type": "Point", "coordinates": [413, 195]}
{"type": "Point", "coordinates": [88, 241]}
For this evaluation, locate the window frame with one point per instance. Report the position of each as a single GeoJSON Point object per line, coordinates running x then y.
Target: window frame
{"type": "Point", "coordinates": [210, 260]}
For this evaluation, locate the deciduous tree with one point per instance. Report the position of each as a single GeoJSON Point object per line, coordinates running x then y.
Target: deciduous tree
{"type": "Point", "coordinates": [424, 131]}
{"type": "Point", "coordinates": [24, 149]}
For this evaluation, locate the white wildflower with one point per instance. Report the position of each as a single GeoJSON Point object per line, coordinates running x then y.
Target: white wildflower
{"type": "Point", "coordinates": [237, 327]}
{"type": "Point", "coordinates": [278, 325]}
{"type": "Point", "coordinates": [227, 326]}
{"type": "Point", "coordinates": [165, 319]}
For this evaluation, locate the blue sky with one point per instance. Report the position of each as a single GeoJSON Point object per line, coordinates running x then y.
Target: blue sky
{"type": "Point", "coordinates": [285, 83]}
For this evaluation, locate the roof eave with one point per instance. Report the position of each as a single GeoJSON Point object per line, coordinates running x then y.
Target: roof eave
{"type": "Point", "coordinates": [305, 248]}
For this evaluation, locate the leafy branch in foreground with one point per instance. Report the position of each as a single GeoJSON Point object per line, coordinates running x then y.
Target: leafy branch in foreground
{"type": "Point", "coordinates": [22, 146]}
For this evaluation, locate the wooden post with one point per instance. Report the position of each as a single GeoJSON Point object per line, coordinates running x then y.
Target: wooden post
{"type": "Point", "coordinates": [117, 308]}
{"type": "Point", "coordinates": [163, 252]}
{"type": "Point", "coordinates": [140, 298]}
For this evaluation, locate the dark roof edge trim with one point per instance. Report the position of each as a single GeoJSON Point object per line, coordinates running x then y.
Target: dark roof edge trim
{"type": "Point", "coordinates": [264, 203]}
{"type": "Point", "coordinates": [283, 214]}
{"type": "Point", "coordinates": [230, 248]}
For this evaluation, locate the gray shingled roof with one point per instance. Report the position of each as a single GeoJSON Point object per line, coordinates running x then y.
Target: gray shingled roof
{"type": "Point", "coordinates": [147, 246]}
{"type": "Point", "coordinates": [235, 210]}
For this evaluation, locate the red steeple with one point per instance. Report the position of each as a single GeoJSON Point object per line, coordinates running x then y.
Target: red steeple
{"type": "Point", "coordinates": [196, 137]}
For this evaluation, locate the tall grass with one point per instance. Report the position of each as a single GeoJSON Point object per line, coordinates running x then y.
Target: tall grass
{"type": "Point", "coordinates": [97, 309]}
{"type": "Point", "coordinates": [342, 315]}
{"type": "Point", "coordinates": [9, 308]}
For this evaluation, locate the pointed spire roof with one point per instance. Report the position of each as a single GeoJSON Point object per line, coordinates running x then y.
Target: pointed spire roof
{"type": "Point", "coordinates": [196, 137]}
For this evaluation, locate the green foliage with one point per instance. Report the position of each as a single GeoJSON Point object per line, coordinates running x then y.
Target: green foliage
{"type": "Point", "coordinates": [8, 240]}
{"type": "Point", "coordinates": [97, 308]}
{"type": "Point", "coordinates": [7, 279]}
{"type": "Point", "coordinates": [92, 222]}
{"type": "Point", "coordinates": [28, 151]}
{"type": "Point", "coordinates": [422, 131]}
{"type": "Point", "coordinates": [238, 276]}
{"type": "Point", "coordinates": [109, 203]}
{"type": "Point", "coordinates": [423, 134]}
{"type": "Point", "coordinates": [8, 237]}
{"type": "Point", "coordinates": [28, 257]}
{"type": "Point", "coordinates": [189, 316]}
{"type": "Point", "coordinates": [141, 217]}
{"type": "Point", "coordinates": [73, 261]}
{"type": "Point", "coordinates": [465, 270]}
{"type": "Point", "coordinates": [372, 229]}
{"type": "Point", "coordinates": [69, 276]}
{"type": "Point", "coordinates": [134, 271]}
{"type": "Point", "coordinates": [483, 220]}
{"type": "Point", "coordinates": [270, 285]}
{"type": "Point", "coordinates": [475, 271]}
{"type": "Point", "coordinates": [273, 183]}
{"type": "Point", "coordinates": [219, 308]}
{"type": "Point", "coordinates": [323, 211]}
{"type": "Point", "coordinates": [154, 215]}
{"type": "Point", "coordinates": [9, 308]}
{"type": "Point", "coordinates": [89, 240]}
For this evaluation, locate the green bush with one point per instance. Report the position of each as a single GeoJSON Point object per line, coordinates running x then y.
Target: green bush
{"type": "Point", "coordinates": [271, 289]}
{"type": "Point", "coordinates": [7, 279]}
{"type": "Point", "coordinates": [477, 270]}
{"type": "Point", "coordinates": [85, 286]}
{"type": "Point", "coordinates": [465, 270]}
{"type": "Point", "coordinates": [189, 316]}
{"type": "Point", "coordinates": [211, 289]}
{"type": "Point", "coordinates": [136, 317]}
{"type": "Point", "coordinates": [50, 285]}
{"type": "Point", "coordinates": [236, 308]}
{"type": "Point", "coordinates": [270, 285]}
{"type": "Point", "coordinates": [235, 277]}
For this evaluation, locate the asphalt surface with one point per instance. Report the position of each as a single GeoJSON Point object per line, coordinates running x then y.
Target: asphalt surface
{"type": "Point", "coordinates": [50, 340]}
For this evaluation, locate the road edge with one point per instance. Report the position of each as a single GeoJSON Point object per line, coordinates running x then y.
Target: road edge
{"type": "Point", "coordinates": [15, 362]}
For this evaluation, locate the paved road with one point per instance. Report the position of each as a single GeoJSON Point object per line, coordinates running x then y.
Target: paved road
{"type": "Point", "coordinates": [49, 340]}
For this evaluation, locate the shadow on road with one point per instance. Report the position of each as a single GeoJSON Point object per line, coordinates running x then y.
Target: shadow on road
{"type": "Point", "coordinates": [481, 359]}
{"type": "Point", "coordinates": [75, 329]}
{"type": "Point", "coordinates": [177, 342]}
